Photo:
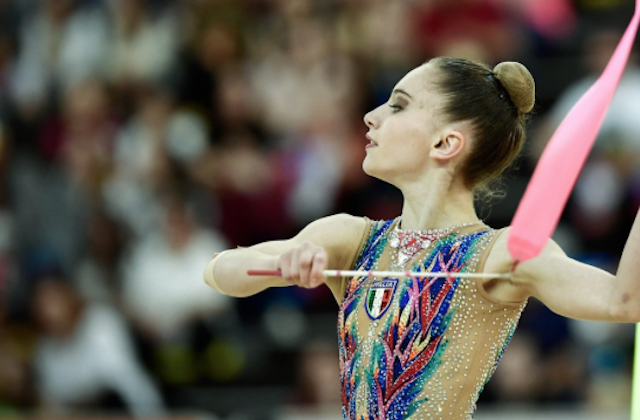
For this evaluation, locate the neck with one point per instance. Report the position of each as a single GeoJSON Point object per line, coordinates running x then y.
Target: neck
{"type": "Point", "coordinates": [443, 204]}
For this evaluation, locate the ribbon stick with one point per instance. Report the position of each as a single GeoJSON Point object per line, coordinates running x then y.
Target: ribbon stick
{"type": "Point", "coordinates": [557, 171]}
{"type": "Point", "coordinates": [395, 274]}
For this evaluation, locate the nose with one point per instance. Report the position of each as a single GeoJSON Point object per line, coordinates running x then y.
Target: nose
{"type": "Point", "coordinates": [371, 120]}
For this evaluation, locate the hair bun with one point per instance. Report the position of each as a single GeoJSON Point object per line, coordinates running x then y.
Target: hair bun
{"type": "Point", "coordinates": [518, 82]}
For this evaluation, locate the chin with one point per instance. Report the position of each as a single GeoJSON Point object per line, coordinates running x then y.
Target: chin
{"type": "Point", "coordinates": [370, 169]}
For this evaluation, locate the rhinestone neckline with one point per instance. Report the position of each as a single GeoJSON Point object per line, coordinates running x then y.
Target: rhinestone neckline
{"type": "Point", "coordinates": [407, 243]}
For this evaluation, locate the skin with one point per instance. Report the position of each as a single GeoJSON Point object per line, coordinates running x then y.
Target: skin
{"type": "Point", "coordinates": [412, 146]}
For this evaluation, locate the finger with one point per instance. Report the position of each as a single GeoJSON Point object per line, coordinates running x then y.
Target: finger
{"type": "Point", "coordinates": [294, 266]}
{"type": "Point", "coordinates": [306, 260]}
{"type": "Point", "coordinates": [320, 261]}
{"type": "Point", "coordinates": [284, 264]}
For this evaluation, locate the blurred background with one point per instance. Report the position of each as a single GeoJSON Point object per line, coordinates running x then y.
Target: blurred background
{"type": "Point", "coordinates": [138, 137]}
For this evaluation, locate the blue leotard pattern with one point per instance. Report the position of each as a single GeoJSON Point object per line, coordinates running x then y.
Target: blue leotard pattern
{"type": "Point", "coordinates": [435, 345]}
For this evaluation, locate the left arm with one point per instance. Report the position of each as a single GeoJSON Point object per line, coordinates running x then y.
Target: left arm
{"type": "Point", "coordinates": [577, 290]}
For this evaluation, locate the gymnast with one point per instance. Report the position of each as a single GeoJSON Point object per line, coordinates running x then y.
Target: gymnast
{"type": "Point", "coordinates": [415, 347]}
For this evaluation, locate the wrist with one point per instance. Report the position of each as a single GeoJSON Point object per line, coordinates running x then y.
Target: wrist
{"type": "Point", "coordinates": [273, 262]}
{"type": "Point", "coordinates": [209, 275]}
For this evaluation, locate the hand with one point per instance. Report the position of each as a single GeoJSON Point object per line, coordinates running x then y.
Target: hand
{"type": "Point", "coordinates": [303, 265]}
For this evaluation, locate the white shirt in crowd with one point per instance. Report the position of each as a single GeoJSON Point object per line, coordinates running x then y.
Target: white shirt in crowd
{"type": "Point", "coordinates": [163, 287]}
{"type": "Point", "coordinates": [98, 357]}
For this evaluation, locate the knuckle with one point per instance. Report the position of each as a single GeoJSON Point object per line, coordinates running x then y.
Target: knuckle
{"type": "Point", "coordinates": [308, 246]}
{"type": "Point", "coordinates": [294, 272]}
{"type": "Point", "coordinates": [306, 260]}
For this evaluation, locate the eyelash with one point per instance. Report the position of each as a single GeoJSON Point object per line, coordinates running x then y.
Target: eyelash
{"type": "Point", "coordinates": [395, 107]}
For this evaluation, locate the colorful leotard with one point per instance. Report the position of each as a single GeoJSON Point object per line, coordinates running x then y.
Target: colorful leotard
{"type": "Point", "coordinates": [420, 348]}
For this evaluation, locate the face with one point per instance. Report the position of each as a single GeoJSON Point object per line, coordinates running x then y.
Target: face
{"type": "Point", "coordinates": [55, 308]}
{"type": "Point", "coordinates": [403, 131]}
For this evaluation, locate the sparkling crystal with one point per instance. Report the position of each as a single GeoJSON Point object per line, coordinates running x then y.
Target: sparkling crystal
{"type": "Point", "coordinates": [476, 331]}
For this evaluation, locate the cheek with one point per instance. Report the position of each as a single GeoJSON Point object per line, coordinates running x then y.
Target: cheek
{"type": "Point", "coordinates": [405, 138]}
{"type": "Point", "coordinates": [403, 145]}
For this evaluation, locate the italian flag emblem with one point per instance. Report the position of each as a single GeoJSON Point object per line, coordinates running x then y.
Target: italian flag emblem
{"type": "Point", "coordinates": [379, 297]}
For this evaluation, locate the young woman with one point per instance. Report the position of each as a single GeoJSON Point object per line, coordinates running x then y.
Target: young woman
{"type": "Point", "coordinates": [423, 348]}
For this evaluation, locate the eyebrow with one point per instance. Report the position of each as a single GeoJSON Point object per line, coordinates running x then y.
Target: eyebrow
{"type": "Point", "coordinates": [404, 92]}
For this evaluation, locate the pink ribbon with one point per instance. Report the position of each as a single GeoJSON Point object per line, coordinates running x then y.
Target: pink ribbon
{"type": "Point", "coordinates": [557, 171]}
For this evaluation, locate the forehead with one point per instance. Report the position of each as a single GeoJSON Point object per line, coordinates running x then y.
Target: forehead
{"type": "Point", "coordinates": [421, 84]}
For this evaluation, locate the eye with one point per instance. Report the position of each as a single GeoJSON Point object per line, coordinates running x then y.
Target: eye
{"type": "Point", "coordinates": [395, 107]}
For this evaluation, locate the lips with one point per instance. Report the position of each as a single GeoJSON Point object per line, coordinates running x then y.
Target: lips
{"type": "Point", "coordinates": [372, 142]}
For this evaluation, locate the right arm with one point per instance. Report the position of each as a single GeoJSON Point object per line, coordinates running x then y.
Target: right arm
{"type": "Point", "coordinates": [328, 242]}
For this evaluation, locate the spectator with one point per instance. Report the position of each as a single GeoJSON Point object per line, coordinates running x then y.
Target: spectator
{"type": "Point", "coordinates": [96, 275]}
{"type": "Point", "coordinates": [481, 27]}
{"type": "Point", "coordinates": [61, 44]}
{"type": "Point", "coordinates": [85, 353]}
{"type": "Point", "coordinates": [158, 140]}
{"type": "Point", "coordinates": [163, 288]}
{"type": "Point", "coordinates": [144, 48]}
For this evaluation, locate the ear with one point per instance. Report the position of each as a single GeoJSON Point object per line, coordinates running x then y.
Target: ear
{"type": "Point", "coordinates": [449, 145]}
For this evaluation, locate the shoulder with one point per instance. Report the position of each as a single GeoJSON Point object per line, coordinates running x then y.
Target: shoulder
{"type": "Point", "coordinates": [500, 260]}
{"type": "Point", "coordinates": [101, 317]}
{"type": "Point", "coordinates": [341, 235]}
{"type": "Point", "coordinates": [336, 228]}
{"type": "Point", "coordinates": [104, 328]}
{"type": "Point", "coordinates": [341, 220]}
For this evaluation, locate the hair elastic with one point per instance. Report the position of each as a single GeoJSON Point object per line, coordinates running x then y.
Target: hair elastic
{"type": "Point", "coordinates": [501, 90]}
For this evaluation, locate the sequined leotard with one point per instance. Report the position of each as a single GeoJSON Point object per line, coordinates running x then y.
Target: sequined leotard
{"type": "Point", "coordinates": [420, 348]}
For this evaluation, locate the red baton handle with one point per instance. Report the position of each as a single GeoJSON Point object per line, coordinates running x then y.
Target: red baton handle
{"type": "Point", "coordinates": [264, 273]}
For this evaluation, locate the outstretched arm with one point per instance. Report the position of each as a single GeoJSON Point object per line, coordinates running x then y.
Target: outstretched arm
{"type": "Point", "coordinates": [626, 294]}
{"type": "Point", "coordinates": [327, 242]}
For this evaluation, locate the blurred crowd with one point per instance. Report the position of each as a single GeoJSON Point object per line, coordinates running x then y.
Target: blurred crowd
{"type": "Point", "coordinates": [138, 137]}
